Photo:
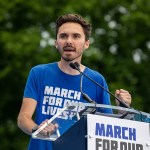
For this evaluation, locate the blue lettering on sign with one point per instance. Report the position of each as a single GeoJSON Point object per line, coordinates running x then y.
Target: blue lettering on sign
{"type": "Point", "coordinates": [100, 129]}
{"type": "Point", "coordinates": [132, 135]}
{"type": "Point", "coordinates": [117, 132]}
{"type": "Point", "coordinates": [107, 130]}
{"type": "Point", "coordinates": [124, 131]}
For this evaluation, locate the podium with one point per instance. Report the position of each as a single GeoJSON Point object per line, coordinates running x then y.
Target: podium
{"type": "Point", "coordinates": [100, 131]}
{"type": "Point", "coordinates": [74, 138]}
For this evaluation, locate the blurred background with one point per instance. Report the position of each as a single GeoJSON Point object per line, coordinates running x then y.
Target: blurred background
{"type": "Point", "coordinates": [120, 50]}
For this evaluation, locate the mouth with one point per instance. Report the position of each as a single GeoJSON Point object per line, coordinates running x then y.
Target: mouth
{"type": "Point", "coordinates": [69, 49]}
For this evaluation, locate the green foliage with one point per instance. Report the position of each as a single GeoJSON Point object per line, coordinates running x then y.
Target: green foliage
{"type": "Point", "coordinates": [120, 50]}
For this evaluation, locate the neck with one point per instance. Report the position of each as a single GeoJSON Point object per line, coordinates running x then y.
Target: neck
{"type": "Point", "coordinates": [65, 67]}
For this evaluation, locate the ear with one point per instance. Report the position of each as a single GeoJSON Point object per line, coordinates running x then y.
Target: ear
{"type": "Point", "coordinates": [56, 45]}
{"type": "Point", "coordinates": [86, 44]}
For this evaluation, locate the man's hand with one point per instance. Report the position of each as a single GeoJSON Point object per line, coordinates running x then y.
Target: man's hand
{"type": "Point", "coordinates": [124, 96]}
{"type": "Point", "coordinates": [49, 129]}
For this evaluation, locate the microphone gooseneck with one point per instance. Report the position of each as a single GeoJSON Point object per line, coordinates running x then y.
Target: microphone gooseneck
{"type": "Point", "coordinates": [76, 66]}
{"type": "Point", "coordinates": [85, 96]}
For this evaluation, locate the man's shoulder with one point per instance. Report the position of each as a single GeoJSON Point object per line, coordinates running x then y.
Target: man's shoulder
{"type": "Point", "coordinates": [93, 73]}
{"type": "Point", "coordinates": [44, 66]}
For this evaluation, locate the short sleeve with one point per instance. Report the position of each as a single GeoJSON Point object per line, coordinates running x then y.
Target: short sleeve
{"type": "Point", "coordinates": [31, 86]}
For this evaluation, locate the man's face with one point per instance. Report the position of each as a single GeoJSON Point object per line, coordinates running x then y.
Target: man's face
{"type": "Point", "coordinates": [71, 41]}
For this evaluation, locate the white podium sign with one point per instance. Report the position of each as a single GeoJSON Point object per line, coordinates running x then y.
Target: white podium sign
{"type": "Point", "coordinates": [106, 133]}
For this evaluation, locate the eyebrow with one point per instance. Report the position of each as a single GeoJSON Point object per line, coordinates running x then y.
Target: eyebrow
{"type": "Point", "coordinates": [71, 34]}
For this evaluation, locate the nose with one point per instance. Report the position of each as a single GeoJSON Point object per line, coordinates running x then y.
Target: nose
{"type": "Point", "coordinates": [69, 40]}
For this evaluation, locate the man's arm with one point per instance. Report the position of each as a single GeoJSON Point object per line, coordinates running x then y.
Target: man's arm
{"type": "Point", "coordinates": [25, 121]}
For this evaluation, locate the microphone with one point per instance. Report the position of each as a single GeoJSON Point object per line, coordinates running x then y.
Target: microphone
{"type": "Point", "coordinates": [76, 67]}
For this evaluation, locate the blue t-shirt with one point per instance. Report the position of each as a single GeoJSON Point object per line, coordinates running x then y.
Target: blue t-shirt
{"type": "Point", "coordinates": [53, 89]}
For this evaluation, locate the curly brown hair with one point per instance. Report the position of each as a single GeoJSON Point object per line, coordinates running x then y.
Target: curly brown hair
{"type": "Point", "coordinates": [76, 19]}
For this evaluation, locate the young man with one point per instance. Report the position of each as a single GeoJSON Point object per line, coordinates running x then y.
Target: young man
{"type": "Point", "coordinates": [50, 86]}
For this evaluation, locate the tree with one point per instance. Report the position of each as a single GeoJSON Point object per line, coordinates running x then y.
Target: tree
{"type": "Point", "coordinates": [120, 50]}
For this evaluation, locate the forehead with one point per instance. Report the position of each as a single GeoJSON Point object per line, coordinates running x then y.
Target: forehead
{"type": "Point", "coordinates": [71, 27]}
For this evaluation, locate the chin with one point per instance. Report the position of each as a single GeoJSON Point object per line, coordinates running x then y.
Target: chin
{"type": "Point", "coordinates": [68, 59]}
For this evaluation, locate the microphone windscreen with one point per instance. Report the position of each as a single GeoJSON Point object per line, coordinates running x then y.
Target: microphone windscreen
{"type": "Point", "coordinates": [72, 65]}
{"type": "Point", "coordinates": [77, 64]}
